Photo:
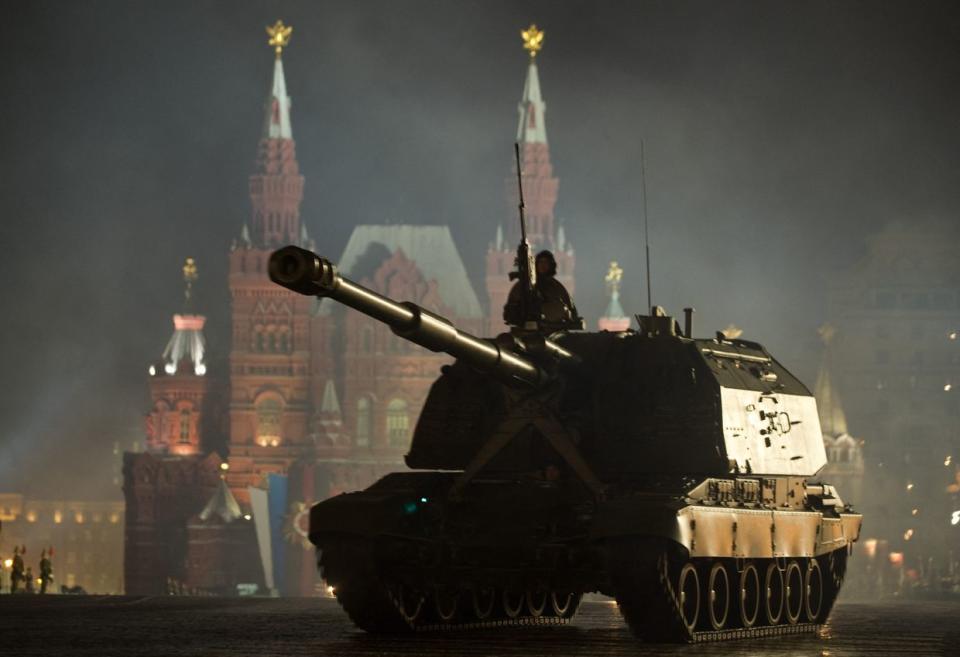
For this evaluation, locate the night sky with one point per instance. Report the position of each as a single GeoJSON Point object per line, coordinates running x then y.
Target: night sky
{"type": "Point", "coordinates": [779, 135]}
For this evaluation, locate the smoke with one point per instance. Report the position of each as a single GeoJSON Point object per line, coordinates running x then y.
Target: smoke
{"type": "Point", "coordinates": [778, 138]}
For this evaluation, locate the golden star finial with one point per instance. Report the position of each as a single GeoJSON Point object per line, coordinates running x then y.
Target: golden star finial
{"type": "Point", "coordinates": [614, 274]}
{"type": "Point", "coordinates": [279, 36]}
{"type": "Point", "coordinates": [532, 39]}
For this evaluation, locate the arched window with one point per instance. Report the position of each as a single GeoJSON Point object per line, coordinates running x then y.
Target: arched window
{"type": "Point", "coordinates": [185, 425]}
{"type": "Point", "coordinates": [398, 423]}
{"type": "Point", "coordinates": [364, 421]}
{"type": "Point", "coordinates": [268, 422]}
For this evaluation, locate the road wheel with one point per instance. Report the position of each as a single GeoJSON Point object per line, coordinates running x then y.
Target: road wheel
{"type": "Point", "coordinates": [774, 593]}
{"type": "Point", "coordinates": [814, 591]}
{"type": "Point", "coordinates": [718, 596]}
{"type": "Point", "coordinates": [537, 602]}
{"type": "Point", "coordinates": [513, 603]}
{"type": "Point", "coordinates": [688, 592]}
{"type": "Point", "coordinates": [564, 605]}
{"type": "Point", "coordinates": [446, 603]}
{"type": "Point", "coordinates": [484, 602]}
{"type": "Point", "coordinates": [410, 603]}
{"type": "Point", "coordinates": [749, 595]}
{"type": "Point", "coordinates": [794, 592]}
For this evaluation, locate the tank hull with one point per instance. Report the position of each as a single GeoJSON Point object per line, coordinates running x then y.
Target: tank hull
{"type": "Point", "coordinates": [405, 555]}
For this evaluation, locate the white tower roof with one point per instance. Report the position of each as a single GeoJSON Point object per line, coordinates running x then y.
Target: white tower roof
{"type": "Point", "coordinates": [276, 124]}
{"type": "Point", "coordinates": [531, 128]}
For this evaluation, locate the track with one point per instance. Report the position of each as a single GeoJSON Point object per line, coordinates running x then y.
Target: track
{"type": "Point", "coordinates": [666, 598]}
{"type": "Point", "coordinates": [662, 596]}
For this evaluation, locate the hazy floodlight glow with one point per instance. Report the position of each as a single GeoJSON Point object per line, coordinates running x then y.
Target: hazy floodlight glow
{"type": "Point", "coordinates": [915, 512]}
{"type": "Point", "coordinates": [948, 460]}
{"type": "Point", "coordinates": [152, 370]}
{"type": "Point", "coordinates": [955, 518]}
{"type": "Point", "coordinates": [909, 485]}
{"type": "Point", "coordinates": [330, 590]}
{"type": "Point", "coordinates": [948, 387]}
{"type": "Point", "coordinates": [201, 369]}
{"type": "Point", "coordinates": [907, 535]}
{"type": "Point", "coordinates": [8, 563]}
{"type": "Point", "coordinates": [170, 368]}
{"type": "Point", "coordinates": [247, 516]}
{"type": "Point", "coordinates": [953, 335]}
{"type": "Point", "coordinates": [224, 466]}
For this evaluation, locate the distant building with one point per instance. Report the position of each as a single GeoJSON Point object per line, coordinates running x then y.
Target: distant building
{"type": "Point", "coordinates": [896, 360]}
{"type": "Point", "coordinates": [315, 392]}
{"type": "Point", "coordinates": [86, 537]}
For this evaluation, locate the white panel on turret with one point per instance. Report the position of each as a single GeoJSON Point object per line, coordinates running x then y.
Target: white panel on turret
{"type": "Point", "coordinates": [772, 434]}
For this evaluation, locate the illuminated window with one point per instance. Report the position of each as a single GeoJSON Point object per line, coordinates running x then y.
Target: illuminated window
{"type": "Point", "coordinates": [364, 417]}
{"type": "Point", "coordinates": [398, 423]}
{"type": "Point", "coordinates": [185, 426]}
{"type": "Point", "coordinates": [268, 421]}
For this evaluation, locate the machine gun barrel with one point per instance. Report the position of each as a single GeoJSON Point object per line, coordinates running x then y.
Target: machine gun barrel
{"type": "Point", "coordinates": [305, 272]}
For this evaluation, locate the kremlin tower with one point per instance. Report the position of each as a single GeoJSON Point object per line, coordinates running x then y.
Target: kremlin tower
{"type": "Point", "coordinates": [320, 400]}
{"type": "Point", "coordinates": [178, 385]}
{"type": "Point", "coordinates": [270, 353]}
{"type": "Point", "coordinates": [539, 192]}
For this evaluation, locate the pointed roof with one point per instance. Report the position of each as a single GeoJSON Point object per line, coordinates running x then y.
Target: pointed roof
{"type": "Point", "coordinates": [432, 249]}
{"type": "Point", "coordinates": [276, 123]}
{"type": "Point", "coordinates": [186, 343]}
{"type": "Point", "coordinates": [614, 309]}
{"type": "Point", "coordinates": [531, 128]}
{"type": "Point", "coordinates": [330, 403]}
{"type": "Point", "coordinates": [833, 419]}
{"type": "Point", "coordinates": [222, 504]}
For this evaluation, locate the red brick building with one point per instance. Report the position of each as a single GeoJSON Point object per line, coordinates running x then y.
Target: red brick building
{"type": "Point", "coordinates": [315, 391]}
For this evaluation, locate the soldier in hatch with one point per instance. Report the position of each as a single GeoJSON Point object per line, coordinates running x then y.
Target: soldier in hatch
{"type": "Point", "coordinates": [556, 308]}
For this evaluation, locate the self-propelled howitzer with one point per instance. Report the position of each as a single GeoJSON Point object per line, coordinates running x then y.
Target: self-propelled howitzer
{"type": "Point", "coordinates": [669, 472]}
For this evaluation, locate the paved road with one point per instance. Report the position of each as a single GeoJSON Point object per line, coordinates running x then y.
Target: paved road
{"type": "Point", "coordinates": [213, 627]}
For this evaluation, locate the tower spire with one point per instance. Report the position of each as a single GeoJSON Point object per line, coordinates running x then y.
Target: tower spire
{"type": "Point", "coordinates": [614, 319]}
{"type": "Point", "coordinates": [189, 278]}
{"type": "Point", "coordinates": [276, 188]}
{"type": "Point", "coordinates": [531, 128]}
{"type": "Point", "coordinates": [833, 419]}
{"type": "Point", "coordinates": [276, 123]}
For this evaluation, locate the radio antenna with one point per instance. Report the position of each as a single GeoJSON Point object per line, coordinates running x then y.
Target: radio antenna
{"type": "Point", "coordinates": [646, 229]}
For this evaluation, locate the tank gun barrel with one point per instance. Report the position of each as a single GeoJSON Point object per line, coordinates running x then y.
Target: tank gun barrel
{"type": "Point", "coordinates": [307, 273]}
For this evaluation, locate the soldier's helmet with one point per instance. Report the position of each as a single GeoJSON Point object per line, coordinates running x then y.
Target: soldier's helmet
{"type": "Point", "coordinates": [551, 261]}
